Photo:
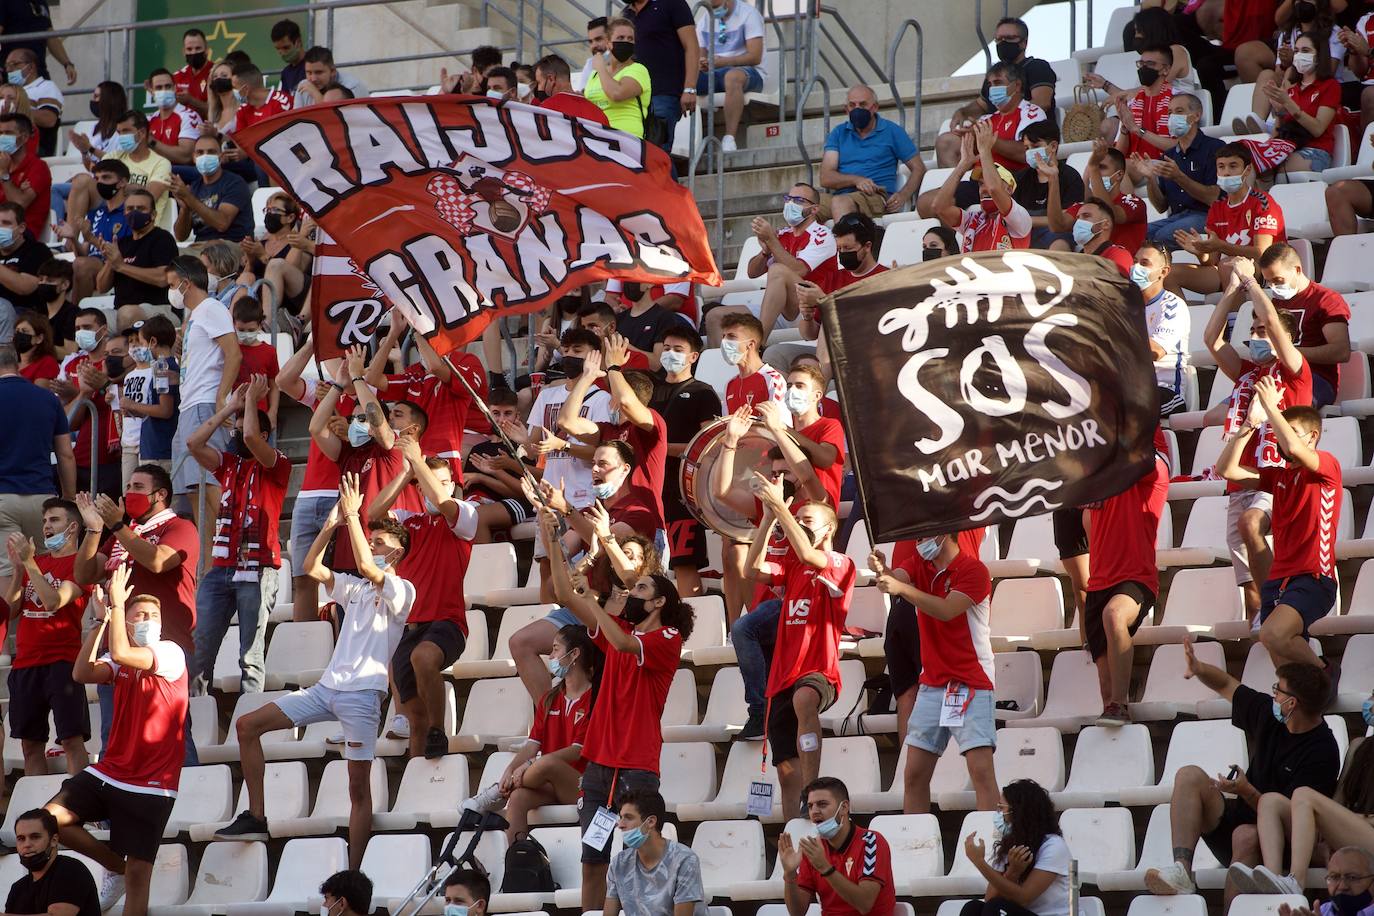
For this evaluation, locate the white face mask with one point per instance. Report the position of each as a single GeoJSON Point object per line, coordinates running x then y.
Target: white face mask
{"type": "Point", "coordinates": [731, 352]}
{"type": "Point", "coordinates": [147, 632]}
{"type": "Point", "coordinates": [1304, 62]}
{"type": "Point", "coordinates": [176, 298]}
{"type": "Point", "coordinates": [673, 361]}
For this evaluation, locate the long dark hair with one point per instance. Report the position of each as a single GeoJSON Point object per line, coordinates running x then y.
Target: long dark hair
{"type": "Point", "coordinates": [1032, 818]}
{"type": "Point", "coordinates": [113, 104]}
{"type": "Point", "coordinates": [1321, 45]}
{"type": "Point", "coordinates": [676, 613]}
{"type": "Point", "coordinates": [40, 325]}
{"type": "Point", "coordinates": [602, 578]}
{"type": "Point", "coordinates": [1156, 28]}
{"type": "Point", "coordinates": [1356, 787]}
{"type": "Point", "coordinates": [577, 639]}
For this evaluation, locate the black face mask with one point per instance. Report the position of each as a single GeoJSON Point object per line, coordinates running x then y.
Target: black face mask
{"type": "Point", "coordinates": [1148, 75]}
{"type": "Point", "coordinates": [237, 446]}
{"type": "Point", "coordinates": [849, 260]}
{"type": "Point", "coordinates": [789, 489]}
{"type": "Point", "coordinates": [635, 612]}
{"type": "Point", "coordinates": [35, 861]}
{"type": "Point", "coordinates": [572, 366]}
{"type": "Point", "coordinates": [622, 50]}
{"type": "Point", "coordinates": [539, 95]}
{"type": "Point", "coordinates": [932, 254]}
{"type": "Point", "coordinates": [138, 219]}
{"type": "Point", "coordinates": [273, 222]}
{"type": "Point", "coordinates": [106, 190]}
{"type": "Point", "coordinates": [1008, 51]}
{"type": "Point", "coordinates": [1305, 10]}
{"type": "Point", "coordinates": [46, 291]}
{"type": "Point", "coordinates": [221, 85]}
{"type": "Point", "coordinates": [1350, 904]}
{"type": "Point", "coordinates": [631, 291]}
{"type": "Point", "coordinates": [95, 108]}
{"type": "Point", "coordinates": [196, 60]}
{"type": "Point", "coordinates": [23, 342]}
{"type": "Point", "coordinates": [114, 365]}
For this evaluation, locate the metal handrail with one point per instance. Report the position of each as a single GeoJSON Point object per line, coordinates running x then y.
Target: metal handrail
{"type": "Point", "coordinates": [95, 435]}
{"type": "Point", "coordinates": [920, 71]}
{"type": "Point", "coordinates": [978, 28]}
{"type": "Point", "coordinates": [857, 42]}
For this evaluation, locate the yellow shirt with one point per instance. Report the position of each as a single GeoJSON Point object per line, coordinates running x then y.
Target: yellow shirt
{"type": "Point", "coordinates": [627, 114]}
{"type": "Point", "coordinates": [155, 168]}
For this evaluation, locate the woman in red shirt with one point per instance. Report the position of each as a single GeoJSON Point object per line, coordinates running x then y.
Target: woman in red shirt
{"type": "Point", "coordinates": [1304, 107]}
{"type": "Point", "coordinates": [33, 343]}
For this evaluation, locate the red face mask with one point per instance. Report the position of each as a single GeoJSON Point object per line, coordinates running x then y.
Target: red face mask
{"type": "Point", "coordinates": [137, 504]}
{"type": "Point", "coordinates": [989, 205]}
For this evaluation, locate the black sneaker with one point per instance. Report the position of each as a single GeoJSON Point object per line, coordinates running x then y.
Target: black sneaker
{"type": "Point", "coordinates": [1333, 671]}
{"type": "Point", "coordinates": [245, 827]}
{"type": "Point", "coordinates": [436, 744]}
{"type": "Point", "coordinates": [753, 728]}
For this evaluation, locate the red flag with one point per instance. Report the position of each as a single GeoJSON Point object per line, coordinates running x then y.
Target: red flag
{"type": "Point", "coordinates": [345, 305]}
{"type": "Point", "coordinates": [459, 208]}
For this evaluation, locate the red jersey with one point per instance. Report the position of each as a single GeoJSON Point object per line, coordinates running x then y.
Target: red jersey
{"type": "Point", "coordinates": [1324, 93]}
{"type": "Point", "coordinates": [562, 723]}
{"type": "Point", "coordinates": [248, 115]}
{"type": "Point", "coordinates": [193, 82]}
{"type": "Point", "coordinates": [469, 365]}
{"type": "Point", "coordinates": [636, 507]}
{"type": "Point", "coordinates": [47, 636]}
{"type": "Point", "coordinates": [174, 589]}
{"type": "Point", "coordinates": [767, 384]}
{"type": "Point", "coordinates": [815, 603]}
{"type": "Point", "coordinates": [446, 403]}
{"type": "Point", "coordinates": [258, 359]}
{"type": "Point", "coordinates": [321, 473]}
{"type": "Point", "coordinates": [984, 231]}
{"type": "Point", "coordinates": [247, 526]}
{"type": "Point", "coordinates": [1294, 389]}
{"type": "Point", "coordinates": [840, 278]}
{"type": "Point", "coordinates": [1010, 125]}
{"type": "Point", "coordinates": [815, 245]}
{"type": "Point", "coordinates": [624, 731]}
{"type": "Point", "coordinates": [829, 431]}
{"type": "Point", "coordinates": [576, 106]}
{"type": "Point", "coordinates": [1247, 20]}
{"type": "Point", "coordinates": [376, 467]}
{"type": "Point", "coordinates": [1307, 506]}
{"type": "Point", "coordinates": [1128, 233]}
{"type": "Point", "coordinates": [864, 857]}
{"type": "Point", "coordinates": [171, 127]}
{"type": "Point", "coordinates": [1124, 528]}
{"type": "Point", "coordinates": [970, 542]}
{"type": "Point", "coordinates": [147, 734]}
{"type": "Point", "coordinates": [45, 367]}
{"type": "Point", "coordinates": [32, 174]}
{"type": "Point", "coordinates": [1119, 256]}
{"type": "Point", "coordinates": [107, 425]}
{"type": "Point", "coordinates": [831, 408]}
{"type": "Point", "coordinates": [1242, 224]}
{"type": "Point", "coordinates": [1314, 308]}
{"type": "Point", "coordinates": [651, 455]}
{"type": "Point", "coordinates": [1152, 113]}
{"type": "Point", "coordinates": [437, 563]}
{"type": "Point", "coordinates": [957, 650]}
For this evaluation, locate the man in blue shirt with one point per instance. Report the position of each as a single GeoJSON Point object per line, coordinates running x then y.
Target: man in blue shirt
{"type": "Point", "coordinates": [218, 204]}
{"type": "Point", "coordinates": [1183, 183]}
{"type": "Point", "coordinates": [37, 430]}
{"type": "Point", "coordinates": [861, 158]}
{"type": "Point", "coordinates": [105, 223]}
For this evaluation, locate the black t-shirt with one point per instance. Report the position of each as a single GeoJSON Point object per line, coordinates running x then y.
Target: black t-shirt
{"type": "Point", "coordinates": [156, 249]}
{"type": "Point", "coordinates": [26, 259]}
{"type": "Point", "coordinates": [642, 330]}
{"type": "Point", "coordinates": [19, 17]}
{"type": "Point", "coordinates": [67, 881]}
{"type": "Point", "coordinates": [63, 323]}
{"type": "Point", "coordinates": [229, 189]}
{"type": "Point", "coordinates": [684, 406]}
{"type": "Point", "coordinates": [1034, 196]}
{"type": "Point", "coordinates": [1281, 761]}
{"type": "Point", "coordinates": [1037, 73]}
{"type": "Point", "coordinates": [657, 45]}
{"type": "Point", "coordinates": [490, 450]}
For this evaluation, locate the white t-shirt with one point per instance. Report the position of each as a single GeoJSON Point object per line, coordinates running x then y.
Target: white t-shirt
{"type": "Point", "coordinates": [346, 80]}
{"type": "Point", "coordinates": [562, 467]}
{"type": "Point", "coordinates": [730, 34]}
{"type": "Point", "coordinates": [137, 388]}
{"type": "Point", "coordinates": [41, 89]}
{"type": "Point", "coordinates": [364, 648]}
{"type": "Point", "coordinates": [202, 361]}
{"type": "Point", "coordinates": [1053, 856]}
{"type": "Point", "coordinates": [1167, 322]}
{"type": "Point", "coordinates": [579, 79]}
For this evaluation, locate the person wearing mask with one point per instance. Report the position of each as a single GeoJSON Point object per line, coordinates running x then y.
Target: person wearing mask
{"type": "Point", "coordinates": [223, 108]}
{"type": "Point", "coordinates": [1029, 871]}
{"type": "Point", "coordinates": [283, 256]}
{"type": "Point", "coordinates": [1349, 880]}
{"type": "Point", "coordinates": [996, 221]}
{"type": "Point", "coordinates": [108, 103]}
{"type": "Point", "coordinates": [217, 204]}
{"type": "Point", "coordinates": [346, 893]}
{"type": "Point", "coordinates": [135, 266]}
{"type": "Point", "coordinates": [33, 342]}
{"type": "Point", "coordinates": [86, 374]}
{"type": "Point", "coordinates": [1033, 183]}
{"type": "Point", "coordinates": [24, 177]}
{"type": "Point", "coordinates": [734, 29]}
{"type": "Point", "coordinates": [939, 242]}
{"type": "Point", "coordinates": [1166, 322]}
{"type": "Point", "coordinates": [620, 84]}
{"type": "Point", "coordinates": [1092, 234]}
{"type": "Point", "coordinates": [321, 73]}
{"type": "Point", "coordinates": [652, 875]}
{"type": "Point", "coordinates": [374, 605]}
{"type": "Point", "coordinates": [22, 68]}
{"type": "Point", "coordinates": [1302, 111]}
{"type": "Point", "coordinates": [856, 257]}
{"type": "Point", "coordinates": [53, 884]}
{"type": "Point", "coordinates": [847, 868]}
{"type": "Point", "coordinates": [192, 80]}
{"type": "Point", "coordinates": [256, 102]}
{"type": "Point", "coordinates": [290, 47]}
{"type": "Point", "coordinates": [50, 605]}
{"type": "Point", "coordinates": [241, 582]}
{"type": "Point", "coordinates": [36, 17]}
{"type": "Point", "coordinates": [1104, 177]}
{"type": "Point", "coordinates": [861, 158]}
{"type": "Point", "coordinates": [1183, 182]}
{"type": "Point", "coordinates": [210, 359]}
{"type": "Point", "coordinates": [553, 88]}
{"type": "Point", "coordinates": [1290, 746]}
{"type": "Point", "coordinates": [134, 785]}
{"type": "Point", "coordinates": [502, 84]}
{"type": "Point", "coordinates": [1141, 124]}
{"type": "Point", "coordinates": [1323, 336]}
{"type": "Point", "coordinates": [147, 170]}
{"type": "Point", "coordinates": [173, 129]}
{"type": "Point", "coordinates": [598, 42]}
{"type": "Point", "coordinates": [643, 322]}
{"type": "Point", "coordinates": [259, 356]}
{"type": "Point", "coordinates": [153, 408]}
{"type": "Point", "coordinates": [20, 257]}
{"type": "Point", "coordinates": [466, 893]}
{"type": "Point", "coordinates": [664, 37]}
{"type": "Point", "coordinates": [105, 223]}
{"type": "Point", "coordinates": [819, 442]}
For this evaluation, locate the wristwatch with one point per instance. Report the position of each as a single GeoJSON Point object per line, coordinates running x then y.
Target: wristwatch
{"type": "Point", "coordinates": [690, 90]}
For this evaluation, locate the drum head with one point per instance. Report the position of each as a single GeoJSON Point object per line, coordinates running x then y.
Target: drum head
{"type": "Point", "coordinates": [698, 466]}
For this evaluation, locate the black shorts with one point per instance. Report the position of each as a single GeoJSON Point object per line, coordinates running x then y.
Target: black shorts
{"type": "Point", "coordinates": [36, 691]}
{"type": "Point", "coordinates": [137, 819]}
{"type": "Point", "coordinates": [1313, 597]}
{"type": "Point", "coordinates": [686, 537]}
{"type": "Point", "coordinates": [1234, 813]}
{"type": "Point", "coordinates": [902, 647]}
{"type": "Point", "coordinates": [1070, 537]}
{"type": "Point", "coordinates": [1097, 603]}
{"type": "Point", "coordinates": [782, 718]}
{"type": "Point", "coordinates": [596, 793]}
{"type": "Point", "coordinates": [443, 633]}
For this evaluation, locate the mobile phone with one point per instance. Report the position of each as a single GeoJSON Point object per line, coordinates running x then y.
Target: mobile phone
{"type": "Point", "coordinates": [1233, 772]}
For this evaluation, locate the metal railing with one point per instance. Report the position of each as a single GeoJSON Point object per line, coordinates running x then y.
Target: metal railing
{"type": "Point", "coordinates": [94, 420]}
{"type": "Point", "coordinates": [909, 24]}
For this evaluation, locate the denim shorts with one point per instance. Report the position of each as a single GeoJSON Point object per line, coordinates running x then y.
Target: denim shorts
{"type": "Point", "coordinates": [307, 518]}
{"type": "Point", "coordinates": [188, 472]}
{"type": "Point", "coordinates": [359, 712]}
{"type": "Point", "coordinates": [926, 733]}
{"type": "Point", "coordinates": [717, 79]}
{"type": "Point", "coordinates": [562, 617]}
{"type": "Point", "coordinates": [1320, 158]}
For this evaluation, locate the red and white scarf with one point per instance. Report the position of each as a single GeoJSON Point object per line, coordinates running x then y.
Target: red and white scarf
{"type": "Point", "coordinates": [119, 556]}
{"type": "Point", "coordinates": [1267, 455]}
{"type": "Point", "coordinates": [239, 525]}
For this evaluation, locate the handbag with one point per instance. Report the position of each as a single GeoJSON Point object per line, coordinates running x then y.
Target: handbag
{"type": "Point", "coordinates": [1083, 119]}
{"type": "Point", "coordinates": [655, 128]}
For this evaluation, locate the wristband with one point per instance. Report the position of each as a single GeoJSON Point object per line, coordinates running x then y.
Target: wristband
{"type": "Point", "coordinates": [828, 873]}
{"type": "Point", "coordinates": [336, 386]}
{"type": "Point", "coordinates": [117, 526]}
{"type": "Point", "coordinates": [358, 378]}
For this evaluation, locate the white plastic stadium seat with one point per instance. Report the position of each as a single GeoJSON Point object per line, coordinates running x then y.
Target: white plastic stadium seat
{"type": "Point", "coordinates": [228, 873]}
{"type": "Point", "coordinates": [951, 775]}
{"type": "Point", "coordinates": [298, 653]}
{"type": "Point", "coordinates": [1020, 678]}
{"type": "Point", "coordinates": [286, 794]}
{"type": "Point", "coordinates": [962, 878]}
{"type": "Point", "coordinates": [1101, 839]}
{"type": "Point", "coordinates": [272, 743]}
{"type": "Point", "coordinates": [1023, 753]}
{"type": "Point", "coordinates": [1023, 607]}
{"type": "Point", "coordinates": [1104, 761]}
{"type": "Point", "coordinates": [902, 242]}
{"type": "Point", "coordinates": [1357, 674]}
{"type": "Point", "coordinates": [1360, 616]}
{"type": "Point", "coordinates": [29, 792]}
{"type": "Point", "coordinates": [709, 629]}
{"type": "Point", "coordinates": [725, 714]}
{"type": "Point", "coordinates": [741, 768]}
{"type": "Point", "coordinates": [731, 852]}
{"type": "Point", "coordinates": [681, 705]}
{"type": "Point", "coordinates": [395, 863]}
{"type": "Point", "coordinates": [688, 773]}
{"type": "Point", "coordinates": [564, 847]}
{"type": "Point", "coordinates": [302, 867]}
{"type": "Point", "coordinates": [204, 796]}
{"type": "Point", "coordinates": [1073, 699]}
{"type": "Point", "coordinates": [1264, 904]}
{"type": "Point", "coordinates": [496, 708]}
{"type": "Point", "coordinates": [1168, 694]}
{"type": "Point", "coordinates": [1212, 745]}
{"type": "Point", "coordinates": [1155, 852]}
{"type": "Point", "coordinates": [1198, 600]}
{"type": "Point", "coordinates": [1304, 209]}
{"type": "Point", "coordinates": [491, 566]}
{"type": "Point", "coordinates": [500, 663]}
{"type": "Point", "coordinates": [772, 888]}
{"type": "Point", "coordinates": [1182, 905]}
{"type": "Point", "coordinates": [1346, 255]}
{"type": "Point", "coordinates": [332, 804]}
{"type": "Point", "coordinates": [430, 793]}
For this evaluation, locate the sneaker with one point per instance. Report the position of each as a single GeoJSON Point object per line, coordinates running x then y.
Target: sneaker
{"type": "Point", "coordinates": [728, 145]}
{"type": "Point", "coordinates": [1242, 878]}
{"type": "Point", "coordinates": [1333, 672]}
{"type": "Point", "coordinates": [1170, 880]}
{"type": "Point", "coordinates": [489, 799]}
{"type": "Point", "coordinates": [1269, 883]}
{"type": "Point", "coordinates": [436, 744]}
{"type": "Point", "coordinates": [399, 729]}
{"type": "Point", "coordinates": [245, 827]}
{"type": "Point", "coordinates": [753, 728]}
{"type": "Point", "coordinates": [1114, 715]}
{"type": "Point", "coordinates": [335, 739]}
{"type": "Point", "coordinates": [111, 889]}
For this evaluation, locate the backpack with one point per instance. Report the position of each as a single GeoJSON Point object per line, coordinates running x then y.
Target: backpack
{"type": "Point", "coordinates": [1083, 120]}
{"type": "Point", "coordinates": [527, 868]}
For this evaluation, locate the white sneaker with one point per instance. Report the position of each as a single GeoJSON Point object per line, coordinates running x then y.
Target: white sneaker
{"type": "Point", "coordinates": [489, 799]}
{"type": "Point", "coordinates": [1269, 883]}
{"type": "Point", "coordinates": [111, 889]}
{"type": "Point", "coordinates": [400, 728]}
{"type": "Point", "coordinates": [728, 144]}
{"type": "Point", "coordinates": [1242, 878]}
{"type": "Point", "coordinates": [1170, 880]}
{"type": "Point", "coordinates": [335, 739]}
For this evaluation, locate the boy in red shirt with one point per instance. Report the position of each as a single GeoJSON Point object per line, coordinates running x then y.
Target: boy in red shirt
{"type": "Point", "coordinates": [1323, 315]}
{"type": "Point", "coordinates": [259, 356]}
{"type": "Point", "coordinates": [1301, 587]}
{"type": "Point", "coordinates": [804, 677]}
{"type": "Point", "coordinates": [847, 866]}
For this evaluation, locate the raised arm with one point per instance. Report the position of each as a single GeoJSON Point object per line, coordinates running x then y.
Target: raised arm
{"type": "Point", "coordinates": [198, 443]}
{"type": "Point", "coordinates": [123, 652]}
{"type": "Point", "coordinates": [723, 473]}
{"type": "Point", "coordinates": [570, 419]}
{"type": "Point", "coordinates": [1214, 335]}
{"type": "Point", "coordinates": [617, 352]}
{"type": "Point", "coordinates": [350, 504]}
{"type": "Point", "coordinates": [1290, 443]}
{"type": "Point", "coordinates": [382, 433]}
{"type": "Point", "coordinates": [314, 558]}
{"type": "Point", "coordinates": [770, 494]}
{"type": "Point", "coordinates": [1214, 678]}
{"type": "Point", "coordinates": [1284, 348]}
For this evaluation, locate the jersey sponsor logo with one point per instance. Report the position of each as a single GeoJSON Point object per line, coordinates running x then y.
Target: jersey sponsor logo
{"type": "Point", "coordinates": [798, 611]}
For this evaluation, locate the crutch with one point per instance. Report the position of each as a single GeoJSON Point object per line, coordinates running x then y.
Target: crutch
{"type": "Point", "coordinates": [447, 863]}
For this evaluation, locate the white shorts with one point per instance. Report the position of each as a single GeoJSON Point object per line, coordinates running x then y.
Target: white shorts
{"type": "Point", "coordinates": [359, 712]}
{"type": "Point", "coordinates": [1237, 505]}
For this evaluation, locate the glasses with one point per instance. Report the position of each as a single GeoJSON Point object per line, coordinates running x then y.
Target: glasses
{"type": "Point", "coordinates": [789, 198]}
{"type": "Point", "coordinates": [1346, 879]}
{"type": "Point", "coordinates": [1277, 689]}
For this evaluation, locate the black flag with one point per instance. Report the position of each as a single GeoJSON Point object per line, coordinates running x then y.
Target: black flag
{"type": "Point", "coordinates": [992, 386]}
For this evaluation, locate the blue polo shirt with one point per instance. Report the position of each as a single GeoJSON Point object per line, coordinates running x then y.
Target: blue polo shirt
{"type": "Point", "coordinates": [876, 156]}
{"type": "Point", "coordinates": [1198, 162]}
{"type": "Point", "coordinates": [26, 445]}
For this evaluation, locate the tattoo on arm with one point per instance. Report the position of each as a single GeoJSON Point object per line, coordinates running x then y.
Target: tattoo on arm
{"type": "Point", "coordinates": [374, 414]}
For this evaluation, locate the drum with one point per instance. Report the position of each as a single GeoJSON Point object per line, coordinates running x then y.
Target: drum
{"type": "Point", "coordinates": [698, 466]}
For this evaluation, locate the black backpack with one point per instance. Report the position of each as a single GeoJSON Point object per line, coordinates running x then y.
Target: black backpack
{"type": "Point", "coordinates": [527, 868]}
